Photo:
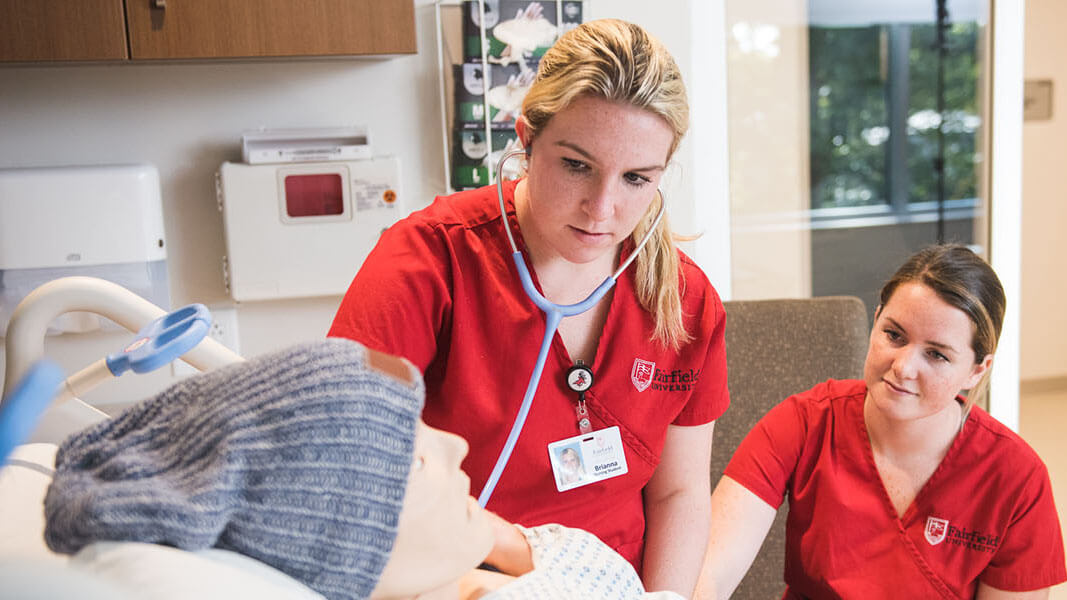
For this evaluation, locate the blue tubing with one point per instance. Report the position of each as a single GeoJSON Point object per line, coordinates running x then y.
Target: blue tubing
{"type": "Point", "coordinates": [554, 313]}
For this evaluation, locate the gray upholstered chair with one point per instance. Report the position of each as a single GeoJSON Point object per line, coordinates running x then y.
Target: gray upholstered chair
{"type": "Point", "coordinates": [776, 348]}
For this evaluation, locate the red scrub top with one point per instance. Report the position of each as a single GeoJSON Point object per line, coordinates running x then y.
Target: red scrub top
{"type": "Point", "coordinates": [441, 290]}
{"type": "Point", "coordinates": [986, 514]}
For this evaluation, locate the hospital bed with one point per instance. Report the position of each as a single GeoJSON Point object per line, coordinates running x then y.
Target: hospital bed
{"type": "Point", "coordinates": [826, 338]}
{"type": "Point", "coordinates": [106, 569]}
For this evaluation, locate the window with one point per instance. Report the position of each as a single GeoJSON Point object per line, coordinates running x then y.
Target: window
{"type": "Point", "coordinates": [836, 140]}
{"type": "Point", "coordinates": [876, 110]}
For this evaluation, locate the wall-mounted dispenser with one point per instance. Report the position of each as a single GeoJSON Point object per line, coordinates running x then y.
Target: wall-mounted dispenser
{"type": "Point", "coordinates": [100, 221]}
{"type": "Point", "coordinates": [302, 229]}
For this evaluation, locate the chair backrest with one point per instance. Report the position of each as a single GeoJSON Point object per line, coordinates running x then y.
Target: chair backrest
{"type": "Point", "coordinates": [774, 349]}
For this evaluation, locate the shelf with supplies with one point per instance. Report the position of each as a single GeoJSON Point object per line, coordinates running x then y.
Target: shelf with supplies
{"type": "Point", "coordinates": [486, 65]}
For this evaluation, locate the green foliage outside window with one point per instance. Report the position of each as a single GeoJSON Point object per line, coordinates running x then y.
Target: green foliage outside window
{"type": "Point", "coordinates": [962, 115]}
{"type": "Point", "coordinates": [849, 73]}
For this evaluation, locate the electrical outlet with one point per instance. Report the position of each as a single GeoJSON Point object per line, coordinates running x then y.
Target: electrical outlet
{"type": "Point", "coordinates": [223, 330]}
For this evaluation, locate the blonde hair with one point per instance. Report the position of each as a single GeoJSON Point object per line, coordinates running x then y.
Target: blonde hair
{"type": "Point", "coordinates": [620, 61]}
{"type": "Point", "coordinates": [962, 279]}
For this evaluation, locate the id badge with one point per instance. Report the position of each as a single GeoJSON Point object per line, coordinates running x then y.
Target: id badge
{"type": "Point", "coordinates": [587, 458]}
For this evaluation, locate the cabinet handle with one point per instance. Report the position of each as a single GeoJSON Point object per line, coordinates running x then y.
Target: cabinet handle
{"type": "Point", "coordinates": [160, 4]}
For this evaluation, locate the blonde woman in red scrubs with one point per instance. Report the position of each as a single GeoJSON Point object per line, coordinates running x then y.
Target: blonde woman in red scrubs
{"type": "Point", "coordinates": [898, 486]}
{"type": "Point", "coordinates": [599, 124]}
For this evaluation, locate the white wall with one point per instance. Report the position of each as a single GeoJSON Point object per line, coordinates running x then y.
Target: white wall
{"type": "Point", "coordinates": [697, 183]}
{"type": "Point", "coordinates": [188, 118]}
{"type": "Point", "coordinates": [1043, 351]}
{"type": "Point", "coordinates": [770, 183]}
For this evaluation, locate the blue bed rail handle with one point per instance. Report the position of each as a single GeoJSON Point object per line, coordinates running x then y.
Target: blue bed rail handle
{"type": "Point", "coordinates": [162, 341]}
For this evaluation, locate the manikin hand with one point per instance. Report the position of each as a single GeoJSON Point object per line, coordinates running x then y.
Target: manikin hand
{"type": "Point", "coordinates": [479, 582]}
{"type": "Point", "coordinates": [511, 553]}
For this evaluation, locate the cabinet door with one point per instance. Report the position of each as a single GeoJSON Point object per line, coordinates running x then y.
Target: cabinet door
{"type": "Point", "coordinates": [248, 28]}
{"type": "Point", "coordinates": [32, 30]}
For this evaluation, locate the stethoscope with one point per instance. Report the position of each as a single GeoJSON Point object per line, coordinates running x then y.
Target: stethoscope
{"type": "Point", "coordinates": [554, 313]}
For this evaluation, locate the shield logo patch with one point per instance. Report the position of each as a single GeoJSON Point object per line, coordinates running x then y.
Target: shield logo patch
{"type": "Point", "coordinates": [641, 374]}
{"type": "Point", "coordinates": [935, 530]}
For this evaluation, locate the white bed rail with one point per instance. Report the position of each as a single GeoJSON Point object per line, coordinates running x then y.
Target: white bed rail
{"type": "Point", "coordinates": [24, 343]}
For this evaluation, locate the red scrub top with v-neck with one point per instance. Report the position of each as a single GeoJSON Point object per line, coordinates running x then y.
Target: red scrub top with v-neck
{"type": "Point", "coordinates": [986, 514]}
{"type": "Point", "coordinates": [441, 289]}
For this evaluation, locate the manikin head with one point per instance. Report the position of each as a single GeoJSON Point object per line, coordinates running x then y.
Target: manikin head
{"type": "Point", "coordinates": [442, 532]}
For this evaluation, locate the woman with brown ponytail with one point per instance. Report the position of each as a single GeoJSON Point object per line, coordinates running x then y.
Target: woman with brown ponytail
{"type": "Point", "coordinates": [899, 486]}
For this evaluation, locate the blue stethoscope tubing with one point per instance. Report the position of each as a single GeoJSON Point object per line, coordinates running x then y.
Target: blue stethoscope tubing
{"type": "Point", "coordinates": [554, 313]}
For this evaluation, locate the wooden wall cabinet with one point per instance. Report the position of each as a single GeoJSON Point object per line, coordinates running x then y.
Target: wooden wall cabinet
{"type": "Point", "coordinates": [44, 30]}
{"type": "Point", "coordinates": [95, 30]}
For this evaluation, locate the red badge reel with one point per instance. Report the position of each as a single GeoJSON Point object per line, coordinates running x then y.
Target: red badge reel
{"type": "Point", "coordinates": [580, 379]}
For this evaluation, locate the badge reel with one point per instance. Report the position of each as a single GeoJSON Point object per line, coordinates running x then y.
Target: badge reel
{"type": "Point", "coordinates": [580, 379]}
{"type": "Point", "coordinates": [590, 456]}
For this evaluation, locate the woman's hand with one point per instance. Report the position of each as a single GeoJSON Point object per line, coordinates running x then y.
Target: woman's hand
{"type": "Point", "coordinates": [511, 553]}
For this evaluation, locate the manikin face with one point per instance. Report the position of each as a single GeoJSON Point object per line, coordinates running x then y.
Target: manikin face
{"type": "Point", "coordinates": [442, 532]}
{"type": "Point", "coordinates": [592, 171]}
{"type": "Point", "coordinates": [920, 355]}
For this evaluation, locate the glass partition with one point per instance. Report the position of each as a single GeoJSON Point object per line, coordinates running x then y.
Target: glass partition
{"type": "Point", "coordinates": [856, 136]}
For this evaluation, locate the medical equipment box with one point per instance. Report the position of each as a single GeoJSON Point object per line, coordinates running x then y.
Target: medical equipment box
{"type": "Point", "coordinates": [101, 221]}
{"type": "Point", "coordinates": [303, 229]}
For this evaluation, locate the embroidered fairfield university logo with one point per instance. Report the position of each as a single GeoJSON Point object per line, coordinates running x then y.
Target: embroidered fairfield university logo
{"type": "Point", "coordinates": [644, 374]}
{"type": "Point", "coordinates": [935, 530]}
{"type": "Point", "coordinates": [641, 373]}
{"type": "Point", "coordinates": [940, 530]}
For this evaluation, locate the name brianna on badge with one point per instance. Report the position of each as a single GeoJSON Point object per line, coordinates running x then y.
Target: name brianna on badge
{"type": "Point", "coordinates": [606, 468]}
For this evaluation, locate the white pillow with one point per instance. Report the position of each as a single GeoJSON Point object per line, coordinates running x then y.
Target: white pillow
{"type": "Point", "coordinates": [155, 572]}
{"type": "Point", "coordinates": [144, 571]}
{"type": "Point", "coordinates": [23, 483]}
{"type": "Point", "coordinates": [25, 579]}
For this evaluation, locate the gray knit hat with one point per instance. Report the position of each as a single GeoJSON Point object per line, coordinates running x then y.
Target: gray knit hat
{"type": "Point", "coordinates": [297, 458]}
